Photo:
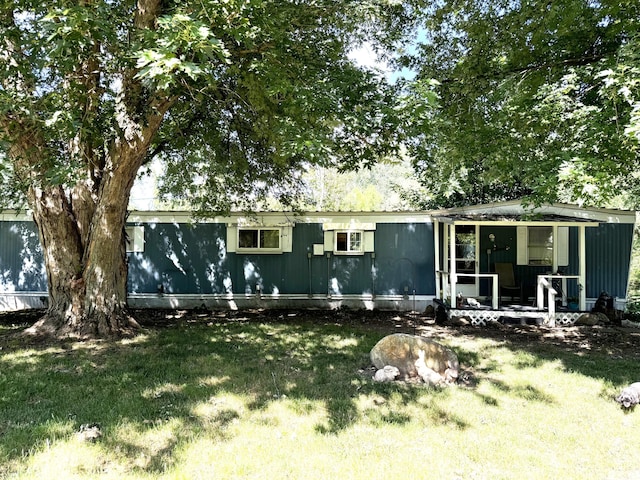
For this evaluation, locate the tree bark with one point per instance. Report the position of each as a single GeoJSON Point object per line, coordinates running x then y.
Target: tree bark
{"type": "Point", "coordinates": [83, 241]}
{"type": "Point", "coordinates": [87, 283]}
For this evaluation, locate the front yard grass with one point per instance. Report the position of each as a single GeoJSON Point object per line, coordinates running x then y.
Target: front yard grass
{"type": "Point", "coordinates": [288, 397]}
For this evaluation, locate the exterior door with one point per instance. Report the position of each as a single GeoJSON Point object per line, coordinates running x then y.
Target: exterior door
{"type": "Point", "coordinates": [466, 259]}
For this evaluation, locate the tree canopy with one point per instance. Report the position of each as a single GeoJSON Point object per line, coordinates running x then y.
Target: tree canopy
{"type": "Point", "coordinates": [530, 98]}
{"type": "Point", "coordinates": [237, 96]}
{"type": "Point", "coordinates": [247, 92]}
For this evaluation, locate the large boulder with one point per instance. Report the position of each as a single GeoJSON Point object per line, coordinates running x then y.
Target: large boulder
{"type": "Point", "coordinates": [592, 318]}
{"type": "Point", "coordinates": [411, 354]}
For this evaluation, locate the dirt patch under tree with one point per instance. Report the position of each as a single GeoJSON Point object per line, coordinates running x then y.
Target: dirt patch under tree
{"type": "Point", "coordinates": [617, 341]}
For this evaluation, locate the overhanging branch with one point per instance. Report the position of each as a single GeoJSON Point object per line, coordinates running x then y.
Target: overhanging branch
{"type": "Point", "coordinates": [535, 67]}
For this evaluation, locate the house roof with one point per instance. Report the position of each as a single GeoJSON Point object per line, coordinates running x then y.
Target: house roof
{"type": "Point", "coordinates": [510, 219]}
{"type": "Point", "coordinates": [495, 213]}
{"type": "Point", "coordinates": [514, 210]}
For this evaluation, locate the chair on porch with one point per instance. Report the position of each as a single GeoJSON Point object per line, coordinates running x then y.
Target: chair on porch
{"type": "Point", "coordinates": [507, 282]}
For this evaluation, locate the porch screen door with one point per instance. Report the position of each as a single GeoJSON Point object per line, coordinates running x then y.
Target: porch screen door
{"type": "Point", "coordinates": [466, 259]}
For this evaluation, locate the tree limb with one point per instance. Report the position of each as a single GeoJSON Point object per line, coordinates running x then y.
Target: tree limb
{"type": "Point", "coordinates": [501, 74]}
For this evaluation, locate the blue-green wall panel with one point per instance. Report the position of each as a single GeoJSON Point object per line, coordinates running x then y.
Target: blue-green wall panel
{"type": "Point", "coordinates": [308, 272]}
{"type": "Point", "coordinates": [287, 273]}
{"type": "Point", "coordinates": [608, 253]}
{"type": "Point", "coordinates": [404, 258]}
{"type": "Point", "coordinates": [189, 258]}
{"type": "Point", "coordinates": [181, 258]}
{"type": "Point", "coordinates": [21, 260]}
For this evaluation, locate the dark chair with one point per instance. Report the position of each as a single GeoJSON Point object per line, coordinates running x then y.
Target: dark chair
{"type": "Point", "coordinates": [507, 282]}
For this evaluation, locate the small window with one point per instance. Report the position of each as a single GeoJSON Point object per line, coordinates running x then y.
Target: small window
{"type": "Point", "coordinates": [259, 239]}
{"type": "Point", "coordinates": [540, 245]}
{"type": "Point", "coordinates": [135, 239]}
{"type": "Point", "coordinates": [348, 242]}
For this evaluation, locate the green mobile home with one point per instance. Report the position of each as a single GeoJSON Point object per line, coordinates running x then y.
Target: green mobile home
{"type": "Point", "coordinates": [384, 260]}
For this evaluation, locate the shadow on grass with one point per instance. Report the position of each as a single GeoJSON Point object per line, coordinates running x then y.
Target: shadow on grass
{"type": "Point", "coordinates": [200, 375]}
{"type": "Point", "coordinates": [189, 379]}
{"type": "Point", "coordinates": [606, 353]}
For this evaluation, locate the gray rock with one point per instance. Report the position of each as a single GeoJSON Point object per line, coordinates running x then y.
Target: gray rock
{"type": "Point", "coordinates": [428, 376]}
{"type": "Point", "coordinates": [460, 321]}
{"type": "Point", "coordinates": [629, 323]}
{"type": "Point", "coordinates": [386, 374]}
{"type": "Point", "coordinates": [403, 351]}
{"type": "Point", "coordinates": [591, 319]}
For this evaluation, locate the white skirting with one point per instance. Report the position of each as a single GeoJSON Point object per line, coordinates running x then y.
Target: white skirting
{"type": "Point", "coordinates": [409, 303]}
{"type": "Point", "coordinates": [482, 317]}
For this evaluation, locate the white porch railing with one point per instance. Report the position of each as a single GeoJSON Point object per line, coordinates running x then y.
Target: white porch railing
{"type": "Point", "coordinates": [546, 281]}
{"type": "Point", "coordinates": [543, 282]}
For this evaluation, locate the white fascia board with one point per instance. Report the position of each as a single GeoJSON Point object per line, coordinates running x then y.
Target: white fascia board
{"type": "Point", "coordinates": [160, 217]}
{"type": "Point", "coordinates": [16, 216]}
{"type": "Point", "coordinates": [352, 225]}
{"type": "Point", "coordinates": [525, 223]}
{"type": "Point", "coordinates": [443, 219]}
{"type": "Point", "coordinates": [262, 219]}
{"type": "Point", "coordinates": [282, 218]}
{"type": "Point", "coordinates": [355, 218]}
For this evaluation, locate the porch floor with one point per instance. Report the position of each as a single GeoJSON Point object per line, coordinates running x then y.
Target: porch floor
{"type": "Point", "coordinates": [515, 314]}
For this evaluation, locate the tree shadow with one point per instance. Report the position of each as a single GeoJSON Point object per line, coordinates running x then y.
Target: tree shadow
{"type": "Point", "coordinates": [606, 353]}
{"type": "Point", "coordinates": [185, 378]}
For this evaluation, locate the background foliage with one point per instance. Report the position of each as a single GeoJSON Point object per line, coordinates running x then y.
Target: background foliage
{"type": "Point", "coordinates": [534, 98]}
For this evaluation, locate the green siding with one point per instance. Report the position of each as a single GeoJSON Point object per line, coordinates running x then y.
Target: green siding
{"type": "Point", "coordinates": [193, 259]}
{"type": "Point", "coordinates": [21, 260]}
{"type": "Point", "coordinates": [608, 254]}
{"type": "Point", "coordinates": [181, 258]}
{"type": "Point", "coordinates": [184, 258]}
{"type": "Point", "coordinates": [404, 259]}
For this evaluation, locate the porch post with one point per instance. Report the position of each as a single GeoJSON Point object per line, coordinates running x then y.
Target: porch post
{"type": "Point", "coordinates": [554, 261]}
{"type": "Point", "coordinates": [540, 293]}
{"type": "Point", "coordinates": [495, 291]}
{"type": "Point", "coordinates": [452, 259]}
{"type": "Point", "coordinates": [436, 262]}
{"type": "Point", "coordinates": [582, 269]}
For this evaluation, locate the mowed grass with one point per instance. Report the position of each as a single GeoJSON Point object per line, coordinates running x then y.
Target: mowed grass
{"type": "Point", "coordinates": [292, 398]}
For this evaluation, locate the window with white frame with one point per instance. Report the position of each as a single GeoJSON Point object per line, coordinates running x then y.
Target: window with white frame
{"type": "Point", "coordinates": [259, 239]}
{"type": "Point", "coordinates": [537, 245]}
{"type": "Point", "coordinates": [135, 238]}
{"type": "Point", "coordinates": [267, 239]}
{"type": "Point", "coordinates": [540, 245]}
{"type": "Point", "coordinates": [348, 242]}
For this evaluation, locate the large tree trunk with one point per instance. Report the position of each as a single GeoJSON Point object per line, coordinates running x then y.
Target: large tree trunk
{"type": "Point", "coordinates": [81, 222]}
{"type": "Point", "coordinates": [83, 241]}
{"type": "Point", "coordinates": [86, 278]}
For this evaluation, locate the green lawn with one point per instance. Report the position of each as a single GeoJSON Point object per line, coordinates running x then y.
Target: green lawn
{"type": "Point", "coordinates": [288, 398]}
